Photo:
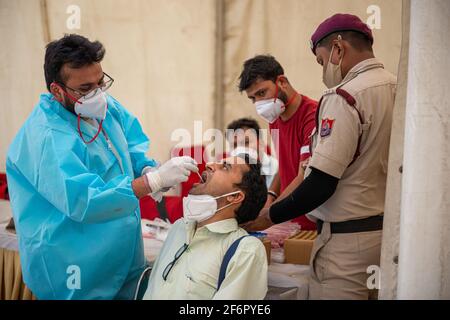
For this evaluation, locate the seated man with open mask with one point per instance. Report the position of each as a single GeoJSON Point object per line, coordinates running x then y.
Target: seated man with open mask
{"type": "Point", "coordinates": [191, 262]}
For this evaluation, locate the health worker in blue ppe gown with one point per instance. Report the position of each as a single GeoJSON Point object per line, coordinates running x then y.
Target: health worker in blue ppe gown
{"type": "Point", "coordinates": [76, 171]}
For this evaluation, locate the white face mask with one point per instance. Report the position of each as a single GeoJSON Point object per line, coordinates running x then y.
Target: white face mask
{"type": "Point", "coordinates": [202, 207]}
{"type": "Point", "coordinates": [270, 109]}
{"type": "Point", "coordinates": [332, 76]}
{"type": "Point", "coordinates": [239, 150]}
{"type": "Point", "coordinates": [93, 107]}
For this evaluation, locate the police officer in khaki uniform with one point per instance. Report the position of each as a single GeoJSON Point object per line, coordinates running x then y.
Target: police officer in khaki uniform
{"type": "Point", "coordinates": [344, 190]}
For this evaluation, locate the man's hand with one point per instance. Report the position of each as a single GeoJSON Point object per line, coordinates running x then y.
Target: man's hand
{"type": "Point", "coordinates": [174, 171]}
{"type": "Point", "coordinates": [304, 164]}
{"type": "Point", "coordinates": [158, 195]}
{"type": "Point", "coordinates": [261, 223]}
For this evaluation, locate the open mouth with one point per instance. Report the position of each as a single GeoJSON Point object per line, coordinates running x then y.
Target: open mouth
{"type": "Point", "coordinates": [204, 177]}
{"type": "Point", "coordinates": [203, 180]}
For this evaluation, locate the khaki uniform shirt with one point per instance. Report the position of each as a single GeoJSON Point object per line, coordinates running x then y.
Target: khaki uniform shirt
{"type": "Point", "coordinates": [195, 274]}
{"type": "Point", "coordinates": [361, 189]}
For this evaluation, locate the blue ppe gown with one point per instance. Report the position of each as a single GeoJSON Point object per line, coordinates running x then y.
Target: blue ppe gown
{"type": "Point", "coordinates": [76, 216]}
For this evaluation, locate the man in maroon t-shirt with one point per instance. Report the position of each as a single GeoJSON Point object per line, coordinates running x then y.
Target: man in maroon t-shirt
{"type": "Point", "coordinates": [290, 116]}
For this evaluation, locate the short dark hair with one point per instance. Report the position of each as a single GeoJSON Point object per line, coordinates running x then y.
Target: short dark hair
{"type": "Point", "coordinates": [264, 67]}
{"type": "Point", "coordinates": [357, 40]}
{"type": "Point", "coordinates": [253, 184]}
{"type": "Point", "coordinates": [243, 123]}
{"type": "Point", "coordinates": [73, 49]}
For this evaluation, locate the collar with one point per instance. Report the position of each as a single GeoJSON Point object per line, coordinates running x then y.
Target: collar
{"type": "Point", "coordinates": [222, 227]}
{"type": "Point", "coordinates": [361, 67]}
{"type": "Point", "coordinates": [298, 110]}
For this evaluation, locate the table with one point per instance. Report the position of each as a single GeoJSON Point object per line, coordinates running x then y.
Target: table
{"type": "Point", "coordinates": [287, 281]}
{"type": "Point", "coordinates": [12, 286]}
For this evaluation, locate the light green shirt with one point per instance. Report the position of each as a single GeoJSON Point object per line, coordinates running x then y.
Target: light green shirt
{"type": "Point", "coordinates": [196, 272]}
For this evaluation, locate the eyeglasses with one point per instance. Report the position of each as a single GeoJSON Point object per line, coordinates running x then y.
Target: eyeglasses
{"type": "Point", "coordinates": [171, 264]}
{"type": "Point", "coordinates": [105, 85]}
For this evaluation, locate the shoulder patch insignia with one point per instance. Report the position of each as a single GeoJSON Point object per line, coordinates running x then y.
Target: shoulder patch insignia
{"type": "Point", "coordinates": [326, 127]}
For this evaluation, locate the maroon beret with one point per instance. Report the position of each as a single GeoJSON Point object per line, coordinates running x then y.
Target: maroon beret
{"type": "Point", "coordinates": [339, 22]}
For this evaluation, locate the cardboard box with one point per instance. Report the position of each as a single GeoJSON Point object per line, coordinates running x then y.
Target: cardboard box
{"type": "Point", "coordinates": [297, 249]}
{"type": "Point", "coordinates": [268, 245]}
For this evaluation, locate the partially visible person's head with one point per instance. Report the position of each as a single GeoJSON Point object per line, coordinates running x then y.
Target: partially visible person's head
{"type": "Point", "coordinates": [244, 133]}
{"type": "Point", "coordinates": [260, 77]}
{"type": "Point", "coordinates": [235, 174]}
{"type": "Point", "coordinates": [342, 39]}
{"type": "Point", "coordinates": [72, 67]}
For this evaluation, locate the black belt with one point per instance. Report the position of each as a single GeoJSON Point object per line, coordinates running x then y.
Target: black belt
{"type": "Point", "coordinates": [352, 226]}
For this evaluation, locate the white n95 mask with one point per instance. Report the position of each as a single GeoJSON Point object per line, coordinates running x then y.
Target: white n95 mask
{"type": "Point", "coordinates": [270, 109]}
{"type": "Point", "coordinates": [198, 208]}
{"type": "Point", "coordinates": [93, 107]}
